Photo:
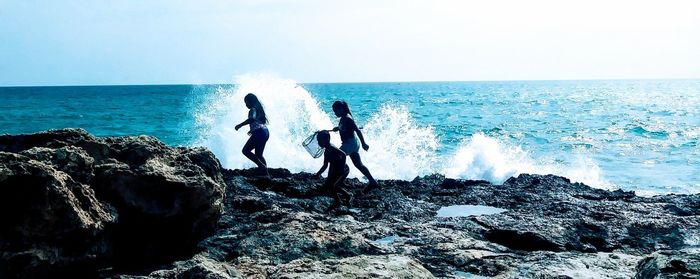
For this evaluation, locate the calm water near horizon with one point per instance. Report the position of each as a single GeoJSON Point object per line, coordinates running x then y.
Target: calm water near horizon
{"type": "Point", "coordinates": [637, 135]}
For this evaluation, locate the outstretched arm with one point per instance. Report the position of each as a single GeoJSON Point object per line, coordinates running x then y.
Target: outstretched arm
{"type": "Point", "coordinates": [251, 117]}
{"type": "Point", "coordinates": [246, 122]}
{"type": "Point", "coordinates": [323, 168]}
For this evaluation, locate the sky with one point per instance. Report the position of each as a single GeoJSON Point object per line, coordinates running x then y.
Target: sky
{"type": "Point", "coordinates": [75, 42]}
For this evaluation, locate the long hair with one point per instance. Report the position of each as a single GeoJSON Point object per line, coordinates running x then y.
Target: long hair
{"type": "Point", "coordinates": [342, 105]}
{"type": "Point", "coordinates": [259, 110]}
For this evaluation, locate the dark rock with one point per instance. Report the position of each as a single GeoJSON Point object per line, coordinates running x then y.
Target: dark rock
{"type": "Point", "coordinates": [73, 204]}
{"type": "Point", "coordinates": [159, 202]}
{"type": "Point", "coordinates": [274, 173]}
{"type": "Point", "coordinates": [527, 241]}
{"type": "Point", "coordinates": [70, 159]}
{"type": "Point", "coordinates": [551, 226]}
{"type": "Point", "coordinates": [250, 204]}
{"type": "Point", "coordinates": [382, 267]}
{"type": "Point", "coordinates": [650, 236]}
{"type": "Point", "coordinates": [669, 264]}
{"type": "Point", "coordinates": [199, 266]}
{"type": "Point", "coordinates": [51, 224]}
{"type": "Point", "coordinates": [51, 139]}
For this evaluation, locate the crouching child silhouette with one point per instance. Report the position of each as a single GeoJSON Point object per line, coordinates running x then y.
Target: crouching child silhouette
{"type": "Point", "coordinates": [337, 172]}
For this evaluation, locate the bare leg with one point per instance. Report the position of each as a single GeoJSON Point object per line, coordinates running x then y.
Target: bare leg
{"type": "Point", "coordinates": [259, 149]}
{"type": "Point", "coordinates": [340, 187]}
{"type": "Point", "coordinates": [355, 157]}
{"type": "Point", "coordinates": [247, 151]}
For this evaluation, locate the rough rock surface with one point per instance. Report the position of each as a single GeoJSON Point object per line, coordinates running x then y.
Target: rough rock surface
{"type": "Point", "coordinates": [670, 264]}
{"type": "Point", "coordinates": [386, 266]}
{"type": "Point", "coordinates": [280, 226]}
{"type": "Point", "coordinates": [76, 205]}
{"type": "Point", "coordinates": [199, 266]}
{"type": "Point", "coordinates": [43, 209]}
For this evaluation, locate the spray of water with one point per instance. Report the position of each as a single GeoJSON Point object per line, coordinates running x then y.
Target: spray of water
{"type": "Point", "coordinates": [399, 147]}
{"type": "Point", "coordinates": [292, 112]}
{"type": "Point", "coordinates": [483, 157]}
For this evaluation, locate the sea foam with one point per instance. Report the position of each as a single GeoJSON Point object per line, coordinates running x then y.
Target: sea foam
{"type": "Point", "coordinates": [400, 148]}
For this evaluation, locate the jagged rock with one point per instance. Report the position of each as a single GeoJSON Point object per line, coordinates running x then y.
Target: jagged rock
{"type": "Point", "coordinates": [390, 266]}
{"type": "Point", "coordinates": [281, 226]}
{"type": "Point", "coordinates": [552, 227]}
{"type": "Point", "coordinates": [200, 267]}
{"type": "Point", "coordinates": [527, 241]}
{"type": "Point", "coordinates": [163, 198]}
{"type": "Point", "coordinates": [669, 264]}
{"type": "Point", "coordinates": [77, 203]}
{"type": "Point", "coordinates": [544, 264]}
{"type": "Point", "coordinates": [95, 147]}
{"type": "Point", "coordinates": [69, 159]}
{"type": "Point", "coordinates": [51, 224]}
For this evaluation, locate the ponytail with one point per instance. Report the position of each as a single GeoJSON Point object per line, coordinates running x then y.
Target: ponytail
{"type": "Point", "coordinates": [347, 109]}
{"type": "Point", "coordinates": [261, 111]}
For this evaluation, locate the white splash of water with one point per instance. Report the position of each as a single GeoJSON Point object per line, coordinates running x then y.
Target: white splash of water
{"type": "Point", "coordinates": [292, 112]}
{"type": "Point", "coordinates": [399, 147]}
{"type": "Point", "coordinates": [483, 157]}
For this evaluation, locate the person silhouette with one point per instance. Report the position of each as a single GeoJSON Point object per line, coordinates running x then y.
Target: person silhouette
{"type": "Point", "coordinates": [257, 119]}
{"type": "Point", "coordinates": [347, 129]}
{"type": "Point", "coordinates": [337, 172]}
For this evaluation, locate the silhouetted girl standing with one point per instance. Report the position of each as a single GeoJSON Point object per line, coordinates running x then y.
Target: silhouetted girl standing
{"type": "Point", "coordinates": [350, 145]}
{"type": "Point", "coordinates": [258, 131]}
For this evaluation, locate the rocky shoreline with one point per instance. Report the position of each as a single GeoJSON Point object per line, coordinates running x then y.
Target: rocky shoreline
{"type": "Point", "coordinates": [75, 205]}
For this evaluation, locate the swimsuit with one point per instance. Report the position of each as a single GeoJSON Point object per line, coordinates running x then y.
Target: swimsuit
{"type": "Point", "coordinates": [350, 146]}
{"type": "Point", "coordinates": [255, 122]}
{"type": "Point", "coordinates": [259, 136]}
{"type": "Point", "coordinates": [258, 131]}
{"type": "Point", "coordinates": [347, 136]}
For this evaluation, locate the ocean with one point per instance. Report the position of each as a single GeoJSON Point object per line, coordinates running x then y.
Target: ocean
{"type": "Point", "coordinates": [639, 135]}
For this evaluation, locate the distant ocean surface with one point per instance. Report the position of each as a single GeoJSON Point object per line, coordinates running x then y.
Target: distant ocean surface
{"type": "Point", "coordinates": [640, 135]}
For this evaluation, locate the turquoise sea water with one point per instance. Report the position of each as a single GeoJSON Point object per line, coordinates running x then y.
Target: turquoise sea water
{"type": "Point", "coordinates": [633, 134]}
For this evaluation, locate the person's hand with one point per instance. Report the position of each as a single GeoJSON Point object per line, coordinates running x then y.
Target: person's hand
{"type": "Point", "coordinates": [317, 176]}
{"type": "Point", "coordinates": [335, 129]}
{"type": "Point", "coordinates": [250, 133]}
{"type": "Point", "coordinates": [365, 146]}
{"type": "Point", "coordinates": [238, 127]}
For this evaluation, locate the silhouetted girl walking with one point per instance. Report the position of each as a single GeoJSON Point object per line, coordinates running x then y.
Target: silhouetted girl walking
{"type": "Point", "coordinates": [258, 132]}
{"type": "Point", "coordinates": [350, 144]}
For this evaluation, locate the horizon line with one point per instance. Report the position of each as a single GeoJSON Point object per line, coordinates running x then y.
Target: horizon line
{"type": "Point", "coordinates": [351, 82]}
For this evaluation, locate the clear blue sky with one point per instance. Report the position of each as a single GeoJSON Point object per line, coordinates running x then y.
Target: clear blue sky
{"type": "Point", "coordinates": [161, 42]}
